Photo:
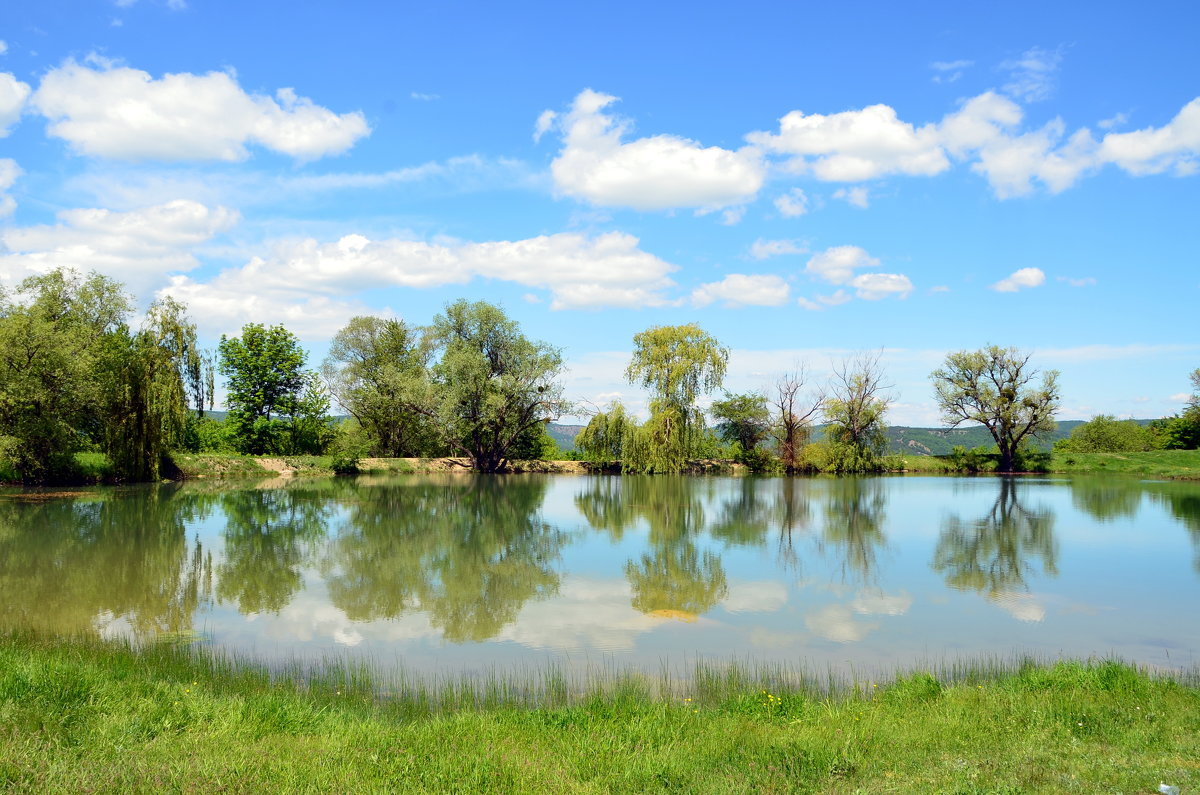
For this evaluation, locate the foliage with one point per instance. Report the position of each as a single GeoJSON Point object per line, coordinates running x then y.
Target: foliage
{"type": "Point", "coordinates": [56, 333]}
{"type": "Point", "coordinates": [677, 364]}
{"type": "Point", "coordinates": [491, 385]}
{"type": "Point", "coordinates": [855, 412]}
{"type": "Point", "coordinates": [274, 405]}
{"type": "Point", "coordinates": [993, 387]}
{"type": "Point", "coordinates": [1181, 432]}
{"type": "Point", "coordinates": [374, 367]}
{"type": "Point", "coordinates": [603, 440]}
{"type": "Point", "coordinates": [1104, 433]}
{"type": "Point", "coordinates": [743, 420]}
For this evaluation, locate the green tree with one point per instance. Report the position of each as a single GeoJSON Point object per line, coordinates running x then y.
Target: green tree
{"type": "Point", "coordinates": [265, 378]}
{"type": "Point", "coordinates": [603, 440]}
{"type": "Point", "coordinates": [151, 377]}
{"type": "Point", "coordinates": [677, 364]}
{"type": "Point", "coordinates": [491, 386]}
{"type": "Point", "coordinates": [375, 366]}
{"type": "Point", "coordinates": [855, 411]}
{"type": "Point", "coordinates": [744, 421]}
{"type": "Point", "coordinates": [1104, 433]}
{"type": "Point", "coordinates": [994, 387]}
{"type": "Point", "coordinates": [57, 331]}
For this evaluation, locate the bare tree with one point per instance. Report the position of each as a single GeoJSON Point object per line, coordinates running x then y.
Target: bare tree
{"type": "Point", "coordinates": [796, 410]}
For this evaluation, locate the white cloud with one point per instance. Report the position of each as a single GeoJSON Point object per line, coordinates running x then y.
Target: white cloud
{"type": "Point", "coordinates": [3, 46]}
{"type": "Point", "coordinates": [139, 247]}
{"type": "Point", "coordinates": [305, 279]}
{"type": "Point", "coordinates": [124, 113]}
{"type": "Point", "coordinates": [545, 123]}
{"type": "Point", "coordinates": [1025, 277]}
{"type": "Point", "coordinates": [837, 265]}
{"type": "Point", "coordinates": [762, 596]}
{"type": "Point", "coordinates": [763, 249]}
{"type": "Point", "coordinates": [810, 305]}
{"type": "Point", "coordinates": [1172, 147]}
{"type": "Point", "coordinates": [9, 172]}
{"type": "Point", "coordinates": [939, 288]}
{"type": "Point", "coordinates": [13, 94]}
{"type": "Point", "coordinates": [874, 286]}
{"type": "Point", "coordinates": [855, 197]}
{"type": "Point", "coordinates": [837, 623]}
{"type": "Point", "coordinates": [1032, 75]}
{"type": "Point", "coordinates": [882, 604]}
{"type": "Point", "coordinates": [1117, 120]}
{"type": "Point", "coordinates": [417, 95]}
{"type": "Point", "coordinates": [739, 289]}
{"type": "Point", "coordinates": [733, 216]}
{"type": "Point", "coordinates": [792, 204]}
{"type": "Point", "coordinates": [855, 145]}
{"type": "Point", "coordinates": [1086, 281]}
{"type": "Point", "coordinates": [1180, 397]}
{"type": "Point", "coordinates": [655, 173]}
{"type": "Point", "coordinates": [949, 71]}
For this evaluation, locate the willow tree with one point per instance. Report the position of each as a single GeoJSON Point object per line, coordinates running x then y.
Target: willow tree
{"type": "Point", "coordinates": [995, 387]}
{"type": "Point", "coordinates": [603, 440]}
{"type": "Point", "coordinates": [678, 364]}
{"type": "Point", "coordinates": [153, 376]}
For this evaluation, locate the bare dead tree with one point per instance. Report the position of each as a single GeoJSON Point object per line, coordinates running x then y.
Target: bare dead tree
{"type": "Point", "coordinates": [795, 410]}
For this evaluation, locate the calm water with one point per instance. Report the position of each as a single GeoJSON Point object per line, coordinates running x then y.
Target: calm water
{"type": "Point", "coordinates": [461, 573]}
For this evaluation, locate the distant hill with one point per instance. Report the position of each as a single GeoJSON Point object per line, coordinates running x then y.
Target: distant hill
{"type": "Point", "coordinates": [564, 435]}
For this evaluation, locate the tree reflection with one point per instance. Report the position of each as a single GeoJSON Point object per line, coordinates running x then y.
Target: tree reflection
{"type": "Point", "coordinates": [994, 555]}
{"type": "Point", "coordinates": [854, 516]}
{"type": "Point", "coordinates": [1183, 501]}
{"type": "Point", "coordinates": [469, 550]}
{"type": "Point", "coordinates": [269, 535]}
{"type": "Point", "coordinates": [673, 576]}
{"type": "Point", "coordinates": [1106, 500]}
{"type": "Point", "coordinates": [68, 566]}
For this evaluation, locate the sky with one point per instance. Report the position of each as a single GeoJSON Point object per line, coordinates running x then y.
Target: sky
{"type": "Point", "coordinates": [805, 181]}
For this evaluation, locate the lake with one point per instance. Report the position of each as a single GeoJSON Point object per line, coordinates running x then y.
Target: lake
{"type": "Point", "coordinates": [461, 573]}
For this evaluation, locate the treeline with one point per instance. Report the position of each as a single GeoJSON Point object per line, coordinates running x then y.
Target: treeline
{"type": "Point", "coordinates": [77, 377]}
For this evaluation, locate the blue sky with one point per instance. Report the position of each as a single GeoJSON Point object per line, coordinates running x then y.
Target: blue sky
{"type": "Point", "coordinates": [803, 180]}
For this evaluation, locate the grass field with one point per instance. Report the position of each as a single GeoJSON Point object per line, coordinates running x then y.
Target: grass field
{"type": "Point", "coordinates": [88, 716]}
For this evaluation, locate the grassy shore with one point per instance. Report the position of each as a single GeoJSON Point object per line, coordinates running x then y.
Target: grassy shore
{"type": "Point", "coordinates": [85, 715]}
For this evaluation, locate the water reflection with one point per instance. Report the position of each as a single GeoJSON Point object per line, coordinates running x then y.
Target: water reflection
{"type": "Point", "coordinates": [853, 529]}
{"type": "Point", "coordinates": [673, 577]}
{"type": "Point", "coordinates": [79, 566]}
{"type": "Point", "coordinates": [1108, 499]}
{"type": "Point", "coordinates": [994, 555]}
{"type": "Point", "coordinates": [471, 551]}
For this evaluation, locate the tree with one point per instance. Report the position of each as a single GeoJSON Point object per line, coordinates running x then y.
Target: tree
{"type": "Point", "coordinates": [855, 412]}
{"type": "Point", "coordinates": [153, 375]}
{"type": "Point", "coordinates": [491, 386]}
{"type": "Point", "coordinates": [55, 333]}
{"type": "Point", "coordinates": [264, 377]}
{"type": "Point", "coordinates": [994, 387]}
{"type": "Point", "coordinates": [744, 421]}
{"type": "Point", "coordinates": [794, 416]}
{"type": "Point", "coordinates": [1104, 433]}
{"type": "Point", "coordinates": [603, 440]}
{"type": "Point", "coordinates": [677, 364]}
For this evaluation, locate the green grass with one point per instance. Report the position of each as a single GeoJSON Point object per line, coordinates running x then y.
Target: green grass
{"type": "Point", "coordinates": [218, 465]}
{"type": "Point", "coordinates": [1183, 464]}
{"type": "Point", "coordinates": [83, 715]}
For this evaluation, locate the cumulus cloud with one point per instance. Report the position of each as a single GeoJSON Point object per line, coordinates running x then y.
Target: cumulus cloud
{"type": "Point", "coordinates": [9, 172]}
{"type": "Point", "coordinates": [1025, 277]}
{"type": "Point", "coordinates": [655, 173]}
{"type": "Point", "coordinates": [764, 249]}
{"type": "Point", "coordinates": [873, 286]}
{"type": "Point", "coordinates": [855, 145]}
{"type": "Point", "coordinates": [124, 113]}
{"type": "Point", "coordinates": [139, 247]}
{"type": "Point", "coordinates": [792, 204]}
{"type": "Point", "coordinates": [855, 197]}
{"type": "Point", "coordinates": [838, 265]}
{"type": "Point", "coordinates": [13, 95]}
{"type": "Point", "coordinates": [738, 289]}
{"type": "Point", "coordinates": [580, 272]}
{"type": "Point", "coordinates": [1172, 147]}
